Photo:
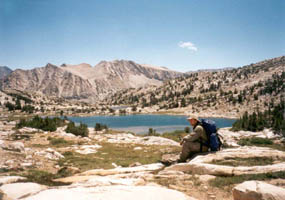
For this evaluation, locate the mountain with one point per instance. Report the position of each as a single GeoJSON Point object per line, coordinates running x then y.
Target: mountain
{"type": "Point", "coordinates": [84, 82]}
{"type": "Point", "coordinates": [4, 71]}
{"type": "Point", "coordinates": [121, 74]}
{"type": "Point", "coordinates": [49, 80]}
{"type": "Point", "coordinates": [221, 93]}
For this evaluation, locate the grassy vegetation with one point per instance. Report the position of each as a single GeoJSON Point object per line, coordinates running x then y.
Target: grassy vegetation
{"type": "Point", "coordinates": [254, 161]}
{"type": "Point", "coordinates": [121, 154]}
{"type": "Point", "coordinates": [255, 141]}
{"type": "Point", "coordinates": [43, 177]}
{"type": "Point", "coordinates": [112, 131]}
{"type": "Point", "coordinates": [175, 135]}
{"type": "Point", "coordinates": [261, 142]}
{"type": "Point", "coordinates": [40, 145]}
{"type": "Point", "coordinates": [230, 181]}
{"type": "Point", "coordinates": [59, 142]}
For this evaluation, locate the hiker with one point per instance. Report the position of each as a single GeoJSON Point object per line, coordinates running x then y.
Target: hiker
{"type": "Point", "coordinates": [194, 142]}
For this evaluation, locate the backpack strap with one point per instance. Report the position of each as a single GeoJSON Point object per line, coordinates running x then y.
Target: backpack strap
{"type": "Point", "coordinates": [202, 143]}
{"type": "Point", "coordinates": [206, 144]}
{"type": "Point", "coordinates": [221, 139]}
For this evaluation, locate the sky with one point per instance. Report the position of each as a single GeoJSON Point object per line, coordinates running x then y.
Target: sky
{"type": "Point", "coordinates": [182, 35]}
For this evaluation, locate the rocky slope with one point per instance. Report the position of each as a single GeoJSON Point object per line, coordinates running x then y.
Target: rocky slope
{"type": "Point", "coordinates": [226, 93]}
{"type": "Point", "coordinates": [85, 82]}
{"type": "Point", "coordinates": [4, 71]}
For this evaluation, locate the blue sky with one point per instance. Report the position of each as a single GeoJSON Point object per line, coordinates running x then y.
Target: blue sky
{"type": "Point", "coordinates": [182, 35]}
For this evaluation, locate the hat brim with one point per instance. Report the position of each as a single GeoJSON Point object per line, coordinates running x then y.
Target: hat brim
{"type": "Point", "coordinates": [195, 118]}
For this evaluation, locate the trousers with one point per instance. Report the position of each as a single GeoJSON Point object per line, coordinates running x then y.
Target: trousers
{"type": "Point", "coordinates": [189, 149]}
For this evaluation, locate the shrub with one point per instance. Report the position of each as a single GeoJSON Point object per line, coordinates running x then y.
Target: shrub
{"type": "Point", "coordinates": [100, 127]}
{"type": "Point", "coordinates": [45, 124]}
{"type": "Point", "coordinates": [81, 130]}
{"type": "Point", "coordinates": [271, 118]}
{"type": "Point", "coordinates": [187, 129]}
{"type": "Point", "coordinates": [134, 108]}
{"type": "Point", "coordinates": [152, 132]}
{"type": "Point", "coordinates": [28, 109]}
{"type": "Point", "coordinates": [10, 106]}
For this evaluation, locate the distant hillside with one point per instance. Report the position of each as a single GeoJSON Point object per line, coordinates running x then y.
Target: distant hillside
{"type": "Point", "coordinates": [4, 71]}
{"type": "Point", "coordinates": [210, 70]}
{"type": "Point", "coordinates": [84, 82]}
{"type": "Point", "coordinates": [219, 93]}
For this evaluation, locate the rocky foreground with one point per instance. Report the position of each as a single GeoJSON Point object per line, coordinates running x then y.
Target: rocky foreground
{"type": "Point", "coordinates": [122, 166]}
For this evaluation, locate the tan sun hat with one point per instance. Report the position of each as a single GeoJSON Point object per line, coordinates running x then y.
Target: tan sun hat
{"type": "Point", "coordinates": [193, 117]}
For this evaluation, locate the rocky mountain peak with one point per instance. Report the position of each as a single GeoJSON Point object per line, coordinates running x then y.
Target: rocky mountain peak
{"type": "Point", "coordinates": [49, 65]}
{"type": "Point", "coordinates": [5, 71]}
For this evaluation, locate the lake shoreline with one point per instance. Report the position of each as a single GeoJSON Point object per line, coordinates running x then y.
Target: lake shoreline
{"type": "Point", "coordinates": [141, 123]}
{"type": "Point", "coordinates": [150, 113]}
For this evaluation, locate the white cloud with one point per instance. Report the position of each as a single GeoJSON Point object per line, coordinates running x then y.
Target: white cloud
{"type": "Point", "coordinates": [188, 45]}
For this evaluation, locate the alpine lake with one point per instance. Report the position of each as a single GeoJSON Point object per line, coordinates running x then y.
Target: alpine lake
{"type": "Point", "coordinates": [140, 124]}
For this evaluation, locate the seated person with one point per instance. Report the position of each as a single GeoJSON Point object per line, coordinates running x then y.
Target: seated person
{"type": "Point", "coordinates": [194, 142]}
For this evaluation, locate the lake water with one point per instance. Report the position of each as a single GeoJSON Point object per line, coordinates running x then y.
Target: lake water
{"type": "Point", "coordinates": [140, 124]}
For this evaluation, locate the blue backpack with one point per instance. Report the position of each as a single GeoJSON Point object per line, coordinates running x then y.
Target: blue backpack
{"type": "Point", "coordinates": [214, 141]}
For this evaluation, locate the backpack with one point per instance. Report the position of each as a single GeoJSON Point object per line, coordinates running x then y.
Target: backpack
{"type": "Point", "coordinates": [214, 142]}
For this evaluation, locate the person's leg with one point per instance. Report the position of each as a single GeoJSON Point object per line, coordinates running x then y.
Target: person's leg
{"type": "Point", "coordinates": [188, 150]}
{"type": "Point", "coordinates": [185, 152]}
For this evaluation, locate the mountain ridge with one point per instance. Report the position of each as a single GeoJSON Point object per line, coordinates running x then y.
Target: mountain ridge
{"type": "Point", "coordinates": [84, 82]}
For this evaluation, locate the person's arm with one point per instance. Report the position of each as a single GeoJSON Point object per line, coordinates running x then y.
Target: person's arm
{"type": "Point", "coordinates": [195, 135]}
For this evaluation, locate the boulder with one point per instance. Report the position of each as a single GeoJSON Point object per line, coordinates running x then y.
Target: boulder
{"type": "Point", "coordinates": [26, 164]}
{"type": "Point", "coordinates": [121, 170]}
{"type": "Point", "coordinates": [172, 174]}
{"type": "Point", "coordinates": [110, 193]}
{"type": "Point", "coordinates": [86, 149]}
{"type": "Point", "coordinates": [50, 154]}
{"type": "Point", "coordinates": [14, 146]}
{"type": "Point", "coordinates": [231, 138]}
{"type": "Point", "coordinates": [18, 190]}
{"type": "Point", "coordinates": [154, 140]}
{"type": "Point", "coordinates": [29, 130]}
{"type": "Point", "coordinates": [168, 159]}
{"type": "Point", "coordinates": [3, 196]}
{"type": "Point", "coordinates": [202, 164]}
{"type": "Point", "coordinates": [95, 181]}
{"type": "Point", "coordinates": [206, 178]}
{"type": "Point", "coordinates": [258, 190]}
